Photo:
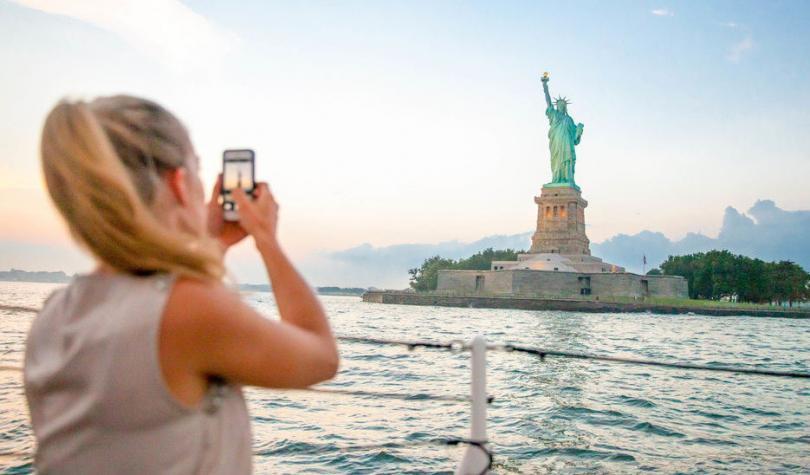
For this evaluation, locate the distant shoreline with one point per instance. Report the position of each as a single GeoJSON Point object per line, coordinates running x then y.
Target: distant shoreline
{"type": "Point", "coordinates": [59, 277]}
{"type": "Point", "coordinates": [43, 277]}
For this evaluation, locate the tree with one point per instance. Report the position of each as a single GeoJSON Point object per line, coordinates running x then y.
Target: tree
{"type": "Point", "coordinates": [426, 276]}
{"type": "Point", "coordinates": [684, 266]}
{"type": "Point", "coordinates": [723, 275]}
{"type": "Point", "coordinates": [788, 282]}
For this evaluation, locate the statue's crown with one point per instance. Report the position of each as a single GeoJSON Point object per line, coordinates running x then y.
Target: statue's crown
{"type": "Point", "coordinates": [562, 99]}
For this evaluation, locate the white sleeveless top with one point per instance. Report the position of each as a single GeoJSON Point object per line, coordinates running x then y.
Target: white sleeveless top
{"type": "Point", "coordinates": [96, 393]}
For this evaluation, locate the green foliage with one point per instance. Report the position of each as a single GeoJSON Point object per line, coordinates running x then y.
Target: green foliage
{"type": "Point", "coordinates": [654, 272]}
{"type": "Point", "coordinates": [426, 277]}
{"type": "Point", "coordinates": [717, 275]}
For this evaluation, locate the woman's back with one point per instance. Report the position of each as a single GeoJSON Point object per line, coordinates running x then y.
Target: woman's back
{"type": "Point", "coordinates": [115, 362]}
{"type": "Point", "coordinates": [98, 400]}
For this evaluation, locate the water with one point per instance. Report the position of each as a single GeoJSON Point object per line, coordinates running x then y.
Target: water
{"type": "Point", "coordinates": [562, 416]}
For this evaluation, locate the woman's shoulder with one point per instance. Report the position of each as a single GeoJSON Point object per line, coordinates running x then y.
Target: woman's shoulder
{"type": "Point", "coordinates": [201, 304]}
{"type": "Point", "coordinates": [199, 293]}
{"type": "Point", "coordinates": [55, 298]}
{"type": "Point", "coordinates": [198, 315]}
{"type": "Point", "coordinates": [52, 308]}
{"type": "Point", "coordinates": [59, 300]}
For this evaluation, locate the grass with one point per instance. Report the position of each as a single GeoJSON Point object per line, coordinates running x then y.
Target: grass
{"type": "Point", "coordinates": [677, 302]}
{"type": "Point", "coordinates": [664, 301]}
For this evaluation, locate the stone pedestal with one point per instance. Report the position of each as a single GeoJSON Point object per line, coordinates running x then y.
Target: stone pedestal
{"type": "Point", "coordinates": [560, 222]}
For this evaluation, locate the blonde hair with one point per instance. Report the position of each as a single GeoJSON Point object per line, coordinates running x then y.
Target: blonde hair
{"type": "Point", "coordinates": [102, 162]}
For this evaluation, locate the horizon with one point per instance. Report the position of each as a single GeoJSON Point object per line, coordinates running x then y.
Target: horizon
{"type": "Point", "coordinates": [418, 124]}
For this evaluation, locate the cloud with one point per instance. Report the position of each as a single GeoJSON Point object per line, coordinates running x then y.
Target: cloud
{"type": "Point", "coordinates": [730, 24]}
{"type": "Point", "coordinates": [166, 30]}
{"type": "Point", "coordinates": [739, 49]}
{"type": "Point", "coordinates": [367, 265]}
{"type": "Point", "coordinates": [662, 12]}
{"type": "Point", "coordinates": [766, 232]}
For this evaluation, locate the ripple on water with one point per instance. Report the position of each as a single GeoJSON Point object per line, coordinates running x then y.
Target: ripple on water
{"type": "Point", "coordinates": [716, 415]}
{"type": "Point", "coordinates": [709, 442]}
{"type": "Point", "coordinates": [783, 425]}
{"type": "Point", "coordinates": [759, 412]}
{"type": "Point", "coordinates": [634, 401]}
{"type": "Point", "coordinates": [580, 453]}
{"type": "Point", "coordinates": [656, 429]}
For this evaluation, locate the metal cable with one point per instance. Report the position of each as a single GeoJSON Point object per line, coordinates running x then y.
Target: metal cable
{"type": "Point", "coordinates": [388, 395]}
{"type": "Point", "coordinates": [17, 308]}
{"type": "Point", "coordinates": [416, 397]}
{"type": "Point", "coordinates": [458, 345]}
{"type": "Point", "coordinates": [16, 454]}
{"type": "Point", "coordinates": [542, 353]}
{"type": "Point", "coordinates": [455, 345]}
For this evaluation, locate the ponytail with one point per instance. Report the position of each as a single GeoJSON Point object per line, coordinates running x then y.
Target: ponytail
{"type": "Point", "coordinates": [101, 162]}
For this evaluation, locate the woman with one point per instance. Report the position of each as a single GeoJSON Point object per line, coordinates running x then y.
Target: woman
{"type": "Point", "coordinates": [137, 366]}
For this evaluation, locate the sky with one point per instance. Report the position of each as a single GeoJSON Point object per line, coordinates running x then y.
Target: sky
{"type": "Point", "coordinates": [381, 124]}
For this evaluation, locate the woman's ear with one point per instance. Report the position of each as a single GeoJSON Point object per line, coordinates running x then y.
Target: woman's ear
{"type": "Point", "coordinates": [176, 179]}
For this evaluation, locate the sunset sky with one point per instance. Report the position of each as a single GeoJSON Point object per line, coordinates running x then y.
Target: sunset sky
{"type": "Point", "coordinates": [421, 122]}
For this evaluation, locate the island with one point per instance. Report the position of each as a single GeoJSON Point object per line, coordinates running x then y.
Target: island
{"type": "Point", "coordinates": [558, 272]}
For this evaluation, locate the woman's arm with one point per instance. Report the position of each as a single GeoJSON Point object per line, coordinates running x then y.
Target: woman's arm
{"type": "Point", "coordinates": [208, 330]}
{"type": "Point", "coordinates": [297, 303]}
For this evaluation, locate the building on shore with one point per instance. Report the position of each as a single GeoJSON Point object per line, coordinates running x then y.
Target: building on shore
{"type": "Point", "coordinates": [559, 262]}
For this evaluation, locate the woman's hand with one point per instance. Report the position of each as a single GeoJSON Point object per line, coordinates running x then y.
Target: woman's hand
{"type": "Point", "coordinates": [258, 217]}
{"type": "Point", "coordinates": [228, 233]}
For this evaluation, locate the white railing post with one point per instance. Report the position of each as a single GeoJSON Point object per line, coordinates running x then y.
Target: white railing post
{"type": "Point", "coordinates": [475, 461]}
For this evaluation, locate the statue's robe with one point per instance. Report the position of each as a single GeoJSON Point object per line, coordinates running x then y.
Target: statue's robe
{"type": "Point", "coordinates": [562, 137]}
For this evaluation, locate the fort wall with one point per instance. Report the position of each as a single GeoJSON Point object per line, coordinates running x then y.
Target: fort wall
{"type": "Point", "coordinates": [553, 284]}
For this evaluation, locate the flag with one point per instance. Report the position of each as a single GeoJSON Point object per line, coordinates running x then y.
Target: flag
{"type": "Point", "coordinates": [645, 259]}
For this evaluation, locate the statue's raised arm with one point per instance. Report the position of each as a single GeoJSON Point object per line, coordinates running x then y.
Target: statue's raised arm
{"type": "Point", "coordinates": [545, 91]}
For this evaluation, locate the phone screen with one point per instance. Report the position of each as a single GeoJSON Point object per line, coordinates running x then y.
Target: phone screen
{"type": "Point", "coordinates": [237, 172]}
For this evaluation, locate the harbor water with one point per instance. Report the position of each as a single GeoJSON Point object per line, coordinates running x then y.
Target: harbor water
{"type": "Point", "coordinates": [553, 415]}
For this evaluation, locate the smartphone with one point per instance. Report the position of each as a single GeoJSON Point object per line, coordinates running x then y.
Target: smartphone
{"type": "Point", "coordinates": [238, 171]}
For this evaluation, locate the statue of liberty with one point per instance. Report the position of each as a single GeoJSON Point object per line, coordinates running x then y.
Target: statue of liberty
{"type": "Point", "coordinates": [563, 136]}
